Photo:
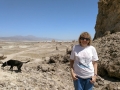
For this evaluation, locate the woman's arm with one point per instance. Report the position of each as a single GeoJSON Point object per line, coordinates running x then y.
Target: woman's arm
{"type": "Point", "coordinates": [95, 67]}
{"type": "Point", "coordinates": [72, 70]}
{"type": "Point", "coordinates": [95, 72]}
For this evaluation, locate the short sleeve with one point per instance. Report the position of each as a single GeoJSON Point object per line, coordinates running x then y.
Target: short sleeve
{"type": "Point", "coordinates": [72, 56]}
{"type": "Point", "coordinates": [95, 55]}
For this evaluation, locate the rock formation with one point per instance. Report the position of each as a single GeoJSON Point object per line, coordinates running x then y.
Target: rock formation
{"type": "Point", "coordinates": [109, 57]}
{"type": "Point", "coordinates": [108, 18]}
{"type": "Point", "coordinates": [108, 48]}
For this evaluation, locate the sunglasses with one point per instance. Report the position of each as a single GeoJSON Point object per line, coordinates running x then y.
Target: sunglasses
{"type": "Point", "coordinates": [82, 38]}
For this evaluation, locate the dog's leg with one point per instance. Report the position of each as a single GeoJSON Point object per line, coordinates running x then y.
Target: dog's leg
{"type": "Point", "coordinates": [19, 67]}
{"type": "Point", "coordinates": [11, 68]}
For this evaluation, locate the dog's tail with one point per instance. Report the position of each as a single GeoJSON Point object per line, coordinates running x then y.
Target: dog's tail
{"type": "Point", "coordinates": [27, 61]}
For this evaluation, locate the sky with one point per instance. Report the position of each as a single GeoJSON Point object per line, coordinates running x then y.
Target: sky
{"type": "Point", "coordinates": [58, 19]}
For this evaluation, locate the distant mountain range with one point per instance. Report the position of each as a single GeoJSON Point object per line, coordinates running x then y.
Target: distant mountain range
{"type": "Point", "coordinates": [26, 38]}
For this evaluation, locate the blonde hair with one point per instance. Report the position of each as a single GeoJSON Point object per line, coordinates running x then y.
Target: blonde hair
{"type": "Point", "coordinates": [85, 34]}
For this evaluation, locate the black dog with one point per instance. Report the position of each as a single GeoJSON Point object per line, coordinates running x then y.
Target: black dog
{"type": "Point", "coordinates": [13, 63]}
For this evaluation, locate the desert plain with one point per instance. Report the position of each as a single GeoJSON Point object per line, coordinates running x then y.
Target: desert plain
{"type": "Point", "coordinates": [37, 74]}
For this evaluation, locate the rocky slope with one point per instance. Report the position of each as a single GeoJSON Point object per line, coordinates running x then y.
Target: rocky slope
{"type": "Point", "coordinates": [108, 48]}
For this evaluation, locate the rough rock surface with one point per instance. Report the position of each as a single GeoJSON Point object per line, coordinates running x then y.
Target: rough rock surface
{"type": "Point", "coordinates": [108, 48]}
{"type": "Point", "coordinates": [108, 18]}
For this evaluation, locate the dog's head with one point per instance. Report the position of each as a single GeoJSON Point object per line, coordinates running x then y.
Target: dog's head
{"type": "Point", "coordinates": [4, 64]}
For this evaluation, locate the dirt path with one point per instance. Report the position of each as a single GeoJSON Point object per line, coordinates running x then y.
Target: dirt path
{"type": "Point", "coordinates": [12, 55]}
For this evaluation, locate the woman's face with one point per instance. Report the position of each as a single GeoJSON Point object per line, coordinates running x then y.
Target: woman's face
{"type": "Point", "coordinates": [84, 41]}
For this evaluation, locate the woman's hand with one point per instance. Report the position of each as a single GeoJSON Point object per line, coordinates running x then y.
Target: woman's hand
{"type": "Point", "coordinates": [74, 76]}
{"type": "Point", "coordinates": [93, 79]}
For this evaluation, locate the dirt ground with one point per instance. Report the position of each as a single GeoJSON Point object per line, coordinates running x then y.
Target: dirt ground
{"type": "Point", "coordinates": [38, 74]}
{"type": "Point", "coordinates": [30, 79]}
{"type": "Point", "coordinates": [33, 50]}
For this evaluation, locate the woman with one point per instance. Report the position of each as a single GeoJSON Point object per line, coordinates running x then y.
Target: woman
{"type": "Point", "coordinates": [83, 63]}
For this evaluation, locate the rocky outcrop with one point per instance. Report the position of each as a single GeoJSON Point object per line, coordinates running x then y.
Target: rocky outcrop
{"type": "Point", "coordinates": [108, 18]}
{"type": "Point", "coordinates": [108, 48]}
